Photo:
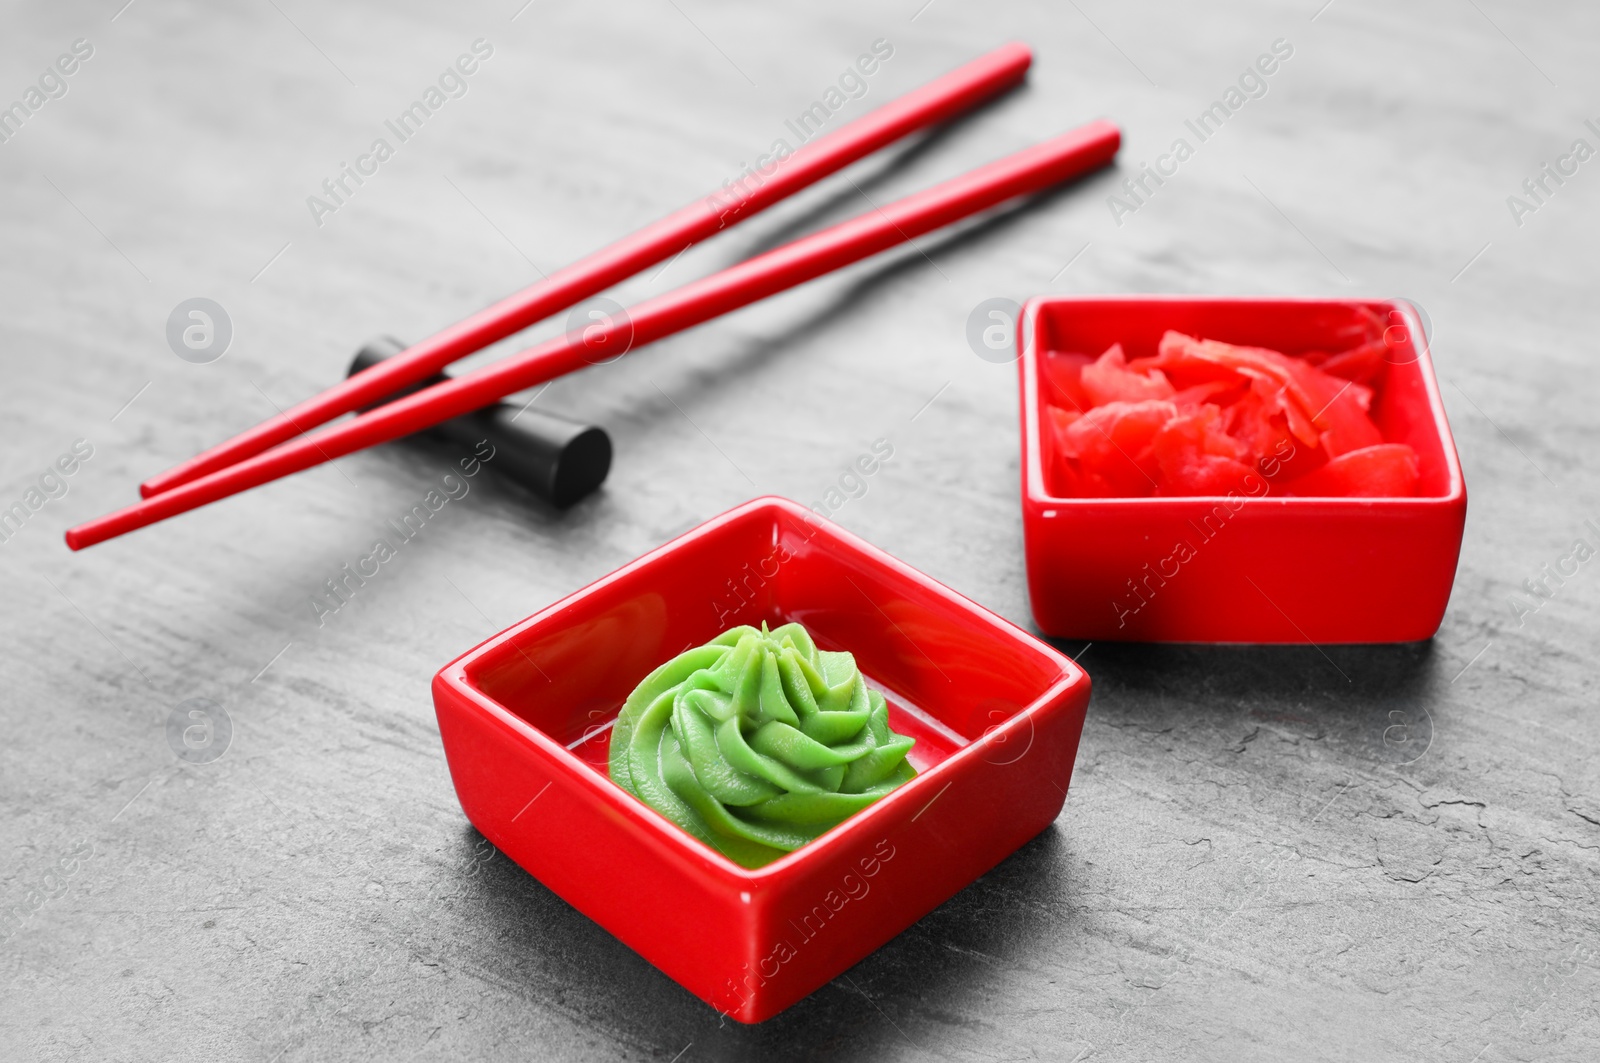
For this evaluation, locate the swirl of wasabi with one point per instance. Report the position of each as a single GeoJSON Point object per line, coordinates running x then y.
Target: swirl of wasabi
{"type": "Point", "coordinates": [757, 742]}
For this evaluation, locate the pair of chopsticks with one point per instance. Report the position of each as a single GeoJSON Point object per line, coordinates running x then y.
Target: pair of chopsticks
{"type": "Point", "coordinates": [272, 450]}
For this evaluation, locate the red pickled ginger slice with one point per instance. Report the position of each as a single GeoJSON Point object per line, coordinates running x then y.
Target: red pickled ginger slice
{"type": "Point", "coordinates": [1339, 409]}
{"type": "Point", "coordinates": [1361, 364]}
{"type": "Point", "coordinates": [1387, 470]}
{"type": "Point", "coordinates": [1111, 446]}
{"type": "Point", "coordinates": [1196, 457]}
{"type": "Point", "coordinates": [1110, 380]}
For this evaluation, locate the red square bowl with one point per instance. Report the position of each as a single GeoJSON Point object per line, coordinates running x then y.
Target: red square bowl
{"type": "Point", "coordinates": [525, 720]}
{"type": "Point", "coordinates": [1238, 569]}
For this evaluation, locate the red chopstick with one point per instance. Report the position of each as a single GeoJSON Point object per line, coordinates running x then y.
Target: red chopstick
{"type": "Point", "coordinates": [1027, 171]}
{"type": "Point", "coordinates": [942, 98]}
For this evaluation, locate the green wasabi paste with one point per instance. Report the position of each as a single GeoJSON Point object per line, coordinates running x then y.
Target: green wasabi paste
{"type": "Point", "coordinates": [757, 742]}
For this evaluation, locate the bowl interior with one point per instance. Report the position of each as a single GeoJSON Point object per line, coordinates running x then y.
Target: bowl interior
{"type": "Point", "coordinates": [1403, 406]}
{"type": "Point", "coordinates": [948, 671]}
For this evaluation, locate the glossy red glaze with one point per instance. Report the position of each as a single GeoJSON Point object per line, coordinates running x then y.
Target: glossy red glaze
{"type": "Point", "coordinates": [1267, 568]}
{"type": "Point", "coordinates": [525, 721]}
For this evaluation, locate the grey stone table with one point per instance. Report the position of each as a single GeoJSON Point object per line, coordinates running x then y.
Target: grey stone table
{"type": "Point", "coordinates": [1367, 853]}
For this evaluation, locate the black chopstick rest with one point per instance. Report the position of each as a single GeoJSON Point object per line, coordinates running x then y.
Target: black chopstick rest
{"type": "Point", "coordinates": [558, 459]}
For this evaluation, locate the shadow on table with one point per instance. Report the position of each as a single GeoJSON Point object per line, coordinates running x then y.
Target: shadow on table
{"type": "Point", "coordinates": [530, 943]}
{"type": "Point", "coordinates": [854, 194]}
{"type": "Point", "coordinates": [1361, 671]}
{"type": "Point", "coordinates": [1379, 701]}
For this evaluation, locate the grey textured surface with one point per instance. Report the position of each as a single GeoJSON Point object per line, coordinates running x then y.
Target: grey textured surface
{"type": "Point", "coordinates": [1372, 853]}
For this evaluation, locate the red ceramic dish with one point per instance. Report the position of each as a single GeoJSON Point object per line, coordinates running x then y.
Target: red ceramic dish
{"type": "Point", "coordinates": [1242, 569]}
{"type": "Point", "coordinates": [525, 720]}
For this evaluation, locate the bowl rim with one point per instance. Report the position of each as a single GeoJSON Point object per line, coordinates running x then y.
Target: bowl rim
{"type": "Point", "coordinates": [1036, 494]}
{"type": "Point", "coordinates": [685, 847]}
